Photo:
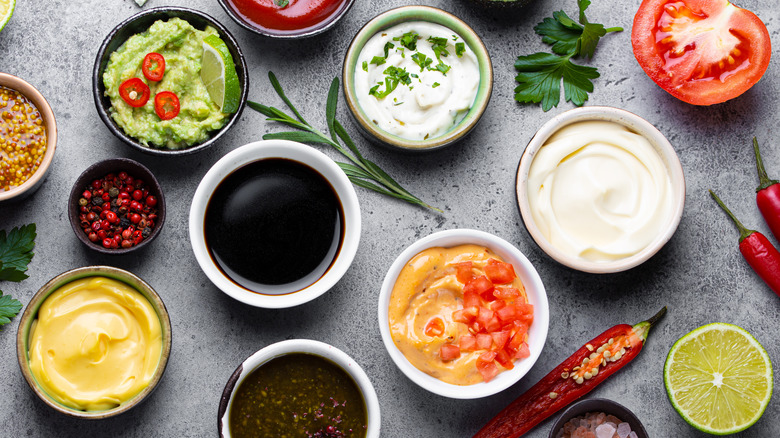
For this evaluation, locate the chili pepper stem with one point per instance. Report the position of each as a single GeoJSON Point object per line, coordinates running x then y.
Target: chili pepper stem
{"type": "Point", "coordinates": [743, 232]}
{"type": "Point", "coordinates": [643, 328]}
{"type": "Point", "coordinates": [763, 178]}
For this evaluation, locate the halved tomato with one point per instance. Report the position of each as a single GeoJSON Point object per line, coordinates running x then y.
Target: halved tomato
{"type": "Point", "coordinates": [700, 51]}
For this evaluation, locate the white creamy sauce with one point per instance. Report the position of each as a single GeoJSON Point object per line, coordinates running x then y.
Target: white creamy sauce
{"type": "Point", "coordinates": [599, 192]}
{"type": "Point", "coordinates": [420, 110]}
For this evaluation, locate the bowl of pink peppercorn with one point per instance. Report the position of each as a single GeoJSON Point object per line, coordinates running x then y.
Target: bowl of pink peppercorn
{"type": "Point", "coordinates": [598, 418]}
{"type": "Point", "coordinates": [116, 206]}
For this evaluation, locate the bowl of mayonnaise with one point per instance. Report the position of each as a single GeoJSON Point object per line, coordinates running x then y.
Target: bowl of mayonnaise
{"type": "Point", "coordinates": [600, 189]}
{"type": "Point", "coordinates": [417, 78]}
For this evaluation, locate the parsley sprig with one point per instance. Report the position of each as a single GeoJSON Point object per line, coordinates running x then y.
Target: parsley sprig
{"type": "Point", "coordinates": [361, 171]}
{"type": "Point", "coordinates": [15, 254]}
{"type": "Point", "coordinates": [540, 74]}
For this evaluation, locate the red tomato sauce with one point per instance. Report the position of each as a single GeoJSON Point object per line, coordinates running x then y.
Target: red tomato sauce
{"type": "Point", "coordinates": [297, 15]}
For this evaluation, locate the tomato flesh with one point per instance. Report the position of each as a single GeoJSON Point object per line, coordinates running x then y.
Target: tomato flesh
{"type": "Point", "coordinates": [435, 327]}
{"type": "Point", "coordinates": [701, 51]}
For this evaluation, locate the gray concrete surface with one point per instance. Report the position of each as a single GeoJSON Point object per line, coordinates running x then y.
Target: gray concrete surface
{"type": "Point", "coordinates": [699, 275]}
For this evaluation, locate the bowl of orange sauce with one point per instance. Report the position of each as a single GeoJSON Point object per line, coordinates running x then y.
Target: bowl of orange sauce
{"type": "Point", "coordinates": [286, 18]}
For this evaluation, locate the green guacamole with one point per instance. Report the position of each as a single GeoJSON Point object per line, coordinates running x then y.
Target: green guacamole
{"type": "Point", "coordinates": [182, 47]}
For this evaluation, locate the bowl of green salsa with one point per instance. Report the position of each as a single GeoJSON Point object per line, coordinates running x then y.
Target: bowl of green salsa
{"type": "Point", "coordinates": [299, 387]}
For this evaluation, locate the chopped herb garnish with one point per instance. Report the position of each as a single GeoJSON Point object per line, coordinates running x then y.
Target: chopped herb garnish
{"type": "Point", "coordinates": [408, 40]}
{"type": "Point", "coordinates": [394, 76]}
{"type": "Point", "coordinates": [361, 171]}
{"type": "Point", "coordinates": [281, 3]}
{"type": "Point", "coordinates": [388, 46]}
{"type": "Point", "coordinates": [365, 65]}
{"type": "Point", "coordinates": [443, 68]}
{"type": "Point", "coordinates": [439, 46]}
{"type": "Point", "coordinates": [460, 49]}
{"type": "Point", "coordinates": [422, 60]}
{"type": "Point", "coordinates": [435, 84]}
{"type": "Point", "coordinates": [378, 60]}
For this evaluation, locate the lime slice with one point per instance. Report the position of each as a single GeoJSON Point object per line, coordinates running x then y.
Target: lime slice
{"type": "Point", "coordinates": [6, 10]}
{"type": "Point", "coordinates": [219, 74]}
{"type": "Point", "coordinates": [719, 378]}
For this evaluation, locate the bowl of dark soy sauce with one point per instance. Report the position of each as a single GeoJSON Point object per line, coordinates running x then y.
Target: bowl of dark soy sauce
{"type": "Point", "coordinates": [275, 224]}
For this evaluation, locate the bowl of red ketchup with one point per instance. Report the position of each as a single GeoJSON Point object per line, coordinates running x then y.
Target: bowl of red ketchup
{"type": "Point", "coordinates": [286, 18]}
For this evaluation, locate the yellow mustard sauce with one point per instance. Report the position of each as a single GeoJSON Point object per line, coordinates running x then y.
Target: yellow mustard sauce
{"type": "Point", "coordinates": [96, 344]}
{"type": "Point", "coordinates": [427, 287]}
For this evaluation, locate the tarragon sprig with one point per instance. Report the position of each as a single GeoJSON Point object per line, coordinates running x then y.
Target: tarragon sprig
{"type": "Point", "coordinates": [361, 171]}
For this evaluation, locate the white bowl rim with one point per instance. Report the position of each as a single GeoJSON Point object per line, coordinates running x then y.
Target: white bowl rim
{"type": "Point", "coordinates": [301, 153]}
{"type": "Point", "coordinates": [637, 124]}
{"type": "Point", "coordinates": [317, 348]}
{"type": "Point", "coordinates": [537, 334]}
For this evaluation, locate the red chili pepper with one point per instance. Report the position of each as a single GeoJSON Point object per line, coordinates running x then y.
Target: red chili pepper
{"type": "Point", "coordinates": [153, 66]}
{"type": "Point", "coordinates": [767, 195]}
{"type": "Point", "coordinates": [757, 250]}
{"type": "Point", "coordinates": [166, 105]}
{"type": "Point", "coordinates": [135, 92]}
{"type": "Point", "coordinates": [573, 378]}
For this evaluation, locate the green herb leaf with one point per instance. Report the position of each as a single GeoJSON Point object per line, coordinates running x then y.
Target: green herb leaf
{"type": "Point", "coordinates": [281, 3]}
{"type": "Point", "coordinates": [16, 252]}
{"type": "Point", "coordinates": [9, 308]}
{"type": "Point", "coordinates": [394, 76]}
{"type": "Point", "coordinates": [560, 31]}
{"type": "Point", "coordinates": [540, 80]}
{"type": "Point", "coordinates": [422, 60]}
{"type": "Point", "coordinates": [362, 172]}
{"type": "Point", "coordinates": [408, 40]}
{"type": "Point", "coordinates": [435, 84]}
{"type": "Point", "coordinates": [378, 60]}
{"type": "Point", "coordinates": [590, 38]}
{"type": "Point", "coordinates": [460, 49]}
{"type": "Point", "coordinates": [388, 46]}
{"type": "Point", "coordinates": [365, 65]}
{"type": "Point", "coordinates": [439, 46]}
{"type": "Point", "coordinates": [582, 5]}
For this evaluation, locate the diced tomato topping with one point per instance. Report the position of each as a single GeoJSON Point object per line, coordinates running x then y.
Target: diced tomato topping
{"type": "Point", "coordinates": [506, 293]}
{"type": "Point", "coordinates": [435, 327]}
{"type": "Point", "coordinates": [500, 338]}
{"type": "Point", "coordinates": [505, 359]}
{"type": "Point", "coordinates": [471, 299]}
{"type": "Point", "coordinates": [517, 340]}
{"type": "Point", "coordinates": [463, 271]}
{"type": "Point", "coordinates": [523, 351]}
{"type": "Point", "coordinates": [497, 305]}
{"type": "Point", "coordinates": [500, 272]}
{"type": "Point", "coordinates": [467, 315]}
{"type": "Point", "coordinates": [507, 314]}
{"type": "Point", "coordinates": [486, 367]}
{"type": "Point", "coordinates": [484, 341]}
{"type": "Point", "coordinates": [480, 286]}
{"type": "Point", "coordinates": [525, 313]}
{"type": "Point", "coordinates": [449, 352]}
{"type": "Point", "coordinates": [467, 343]}
{"type": "Point", "coordinates": [493, 325]}
{"type": "Point", "coordinates": [484, 316]}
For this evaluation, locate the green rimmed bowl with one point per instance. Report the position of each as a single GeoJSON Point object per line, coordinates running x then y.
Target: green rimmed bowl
{"type": "Point", "coordinates": [433, 15]}
{"type": "Point", "coordinates": [30, 317]}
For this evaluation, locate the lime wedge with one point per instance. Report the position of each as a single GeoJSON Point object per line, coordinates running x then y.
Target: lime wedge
{"type": "Point", "coordinates": [6, 10]}
{"type": "Point", "coordinates": [219, 74]}
{"type": "Point", "coordinates": [719, 378]}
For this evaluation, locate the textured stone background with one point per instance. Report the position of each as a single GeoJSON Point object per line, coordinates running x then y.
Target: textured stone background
{"type": "Point", "coordinates": [700, 274]}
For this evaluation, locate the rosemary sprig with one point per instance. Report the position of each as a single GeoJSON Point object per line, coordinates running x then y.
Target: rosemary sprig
{"type": "Point", "coordinates": [362, 172]}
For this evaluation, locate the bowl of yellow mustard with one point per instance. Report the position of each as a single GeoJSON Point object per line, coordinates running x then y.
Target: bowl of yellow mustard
{"type": "Point", "coordinates": [94, 342]}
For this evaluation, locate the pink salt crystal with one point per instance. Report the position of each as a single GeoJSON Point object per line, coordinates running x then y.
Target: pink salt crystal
{"type": "Point", "coordinates": [605, 431]}
{"type": "Point", "coordinates": [623, 430]}
{"type": "Point", "coordinates": [600, 418]}
{"type": "Point", "coordinates": [613, 419]}
{"type": "Point", "coordinates": [632, 435]}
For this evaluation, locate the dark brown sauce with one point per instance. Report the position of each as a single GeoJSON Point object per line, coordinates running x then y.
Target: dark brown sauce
{"type": "Point", "coordinates": [274, 226]}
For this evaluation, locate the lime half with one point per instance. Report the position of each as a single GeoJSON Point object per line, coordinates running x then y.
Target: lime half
{"type": "Point", "coordinates": [719, 378]}
{"type": "Point", "coordinates": [6, 10]}
{"type": "Point", "coordinates": [218, 73]}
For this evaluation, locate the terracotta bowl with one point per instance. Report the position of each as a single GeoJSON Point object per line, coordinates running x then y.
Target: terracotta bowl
{"type": "Point", "coordinates": [31, 185]}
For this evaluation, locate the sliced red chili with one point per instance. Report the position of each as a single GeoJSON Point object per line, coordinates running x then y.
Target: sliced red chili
{"type": "Point", "coordinates": [153, 66]}
{"type": "Point", "coordinates": [166, 105]}
{"type": "Point", "coordinates": [135, 92]}
{"type": "Point", "coordinates": [605, 355]}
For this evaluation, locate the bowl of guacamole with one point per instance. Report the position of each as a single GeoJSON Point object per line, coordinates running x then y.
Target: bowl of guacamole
{"type": "Point", "coordinates": [177, 34]}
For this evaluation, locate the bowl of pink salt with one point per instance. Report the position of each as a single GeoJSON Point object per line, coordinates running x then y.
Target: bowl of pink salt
{"type": "Point", "coordinates": [598, 418]}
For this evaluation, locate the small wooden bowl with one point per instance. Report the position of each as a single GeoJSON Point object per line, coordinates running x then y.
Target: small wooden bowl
{"type": "Point", "coordinates": [100, 170]}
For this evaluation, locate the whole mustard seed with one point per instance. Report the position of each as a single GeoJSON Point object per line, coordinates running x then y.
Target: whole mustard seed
{"type": "Point", "coordinates": [22, 139]}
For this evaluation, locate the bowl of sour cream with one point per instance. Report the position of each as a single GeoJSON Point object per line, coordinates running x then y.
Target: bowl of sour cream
{"type": "Point", "coordinates": [417, 78]}
{"type": "Point", "coordinates": [600, 189]}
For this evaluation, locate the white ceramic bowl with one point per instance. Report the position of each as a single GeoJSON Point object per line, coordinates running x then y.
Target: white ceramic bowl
{"type": "Point", "coordinates": [301, 346]}
{"type": "Point", "coordinates": [634, 123]}
{"type": "Point", "coordinates": [293, 151]}
{"type": "Point", "coordinates": [537, 334]}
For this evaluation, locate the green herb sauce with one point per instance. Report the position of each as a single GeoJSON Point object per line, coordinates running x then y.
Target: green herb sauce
{"type": "Point", "coordinates": [298, 395]}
